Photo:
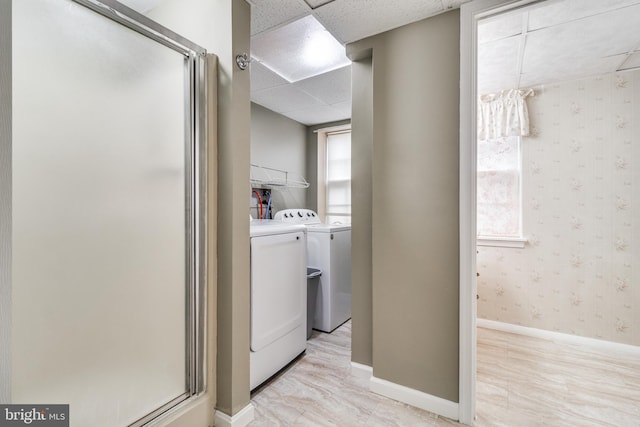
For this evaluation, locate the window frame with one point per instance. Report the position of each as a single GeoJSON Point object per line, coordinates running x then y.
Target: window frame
{"type": "Point", "coordinates": [510, 241]}
{"type": "Point", "coordinates": [322, 169]}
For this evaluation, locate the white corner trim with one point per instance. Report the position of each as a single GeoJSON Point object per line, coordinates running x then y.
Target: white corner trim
{"type": "Point", "coordinates": [416, 398]}
{"type": "Point", "coordinates": [560, 337]}
{"type": "Point", "coordinates": [502, 242]}
{"type": "Point", "coordinates": [361, 371]}
{"type": "Point", "coordinates": [241, 419]}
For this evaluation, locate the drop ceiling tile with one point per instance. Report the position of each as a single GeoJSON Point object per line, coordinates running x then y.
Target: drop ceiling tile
{"type": "Point", "coordinates": [452, 4]}
{"type": "Point", "coordinates": [266, 14]}
{"type": "Point", "coordinates": [314, 116]}
{"type": "Point", "coordinates": [566, 45]}
{"type": "Point", "coordinates": [497, 83]}
{"type": "Point", "coordinates": [553, 13]}
{"type": "Point", "coordinates": [498, 27]}
{"type": "Point", "coordinates": [317, 3]}
{"type": "Point", "coordinates": [344, 108]}
{"type": "Point", "coordinates": [331, 88]}
{"type": "Point", "coordinates": [347, 21]}
{"type": "Point", "coordinates": [570, 69]}
{"type": "Point", "coordinates": [264, 78]}
{"type": "Point", "coordinates": [284, 98]}
{"type": "Point", "coordinates": [498, 65]}
{"type": "Point", "coordinates": [299, 50]}
{"type": "Point", "coordinates": [632, 61]}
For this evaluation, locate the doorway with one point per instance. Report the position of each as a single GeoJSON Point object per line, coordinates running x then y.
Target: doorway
{"type": "Point", "coordinates": [575, 163]}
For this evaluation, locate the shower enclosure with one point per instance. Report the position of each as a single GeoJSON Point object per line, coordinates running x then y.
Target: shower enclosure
{"type": "Point", "coordinates": [107, 268]}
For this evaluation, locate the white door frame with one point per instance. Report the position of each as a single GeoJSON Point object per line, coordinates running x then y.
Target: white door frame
{"type": "Point", "coordinates": [470, 14]}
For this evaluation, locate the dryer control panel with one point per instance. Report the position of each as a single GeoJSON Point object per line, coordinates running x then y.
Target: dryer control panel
{"type": "Point", "coordinates": [297, 216]}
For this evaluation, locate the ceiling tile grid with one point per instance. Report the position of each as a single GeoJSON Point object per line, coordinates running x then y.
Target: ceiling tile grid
{"type": "Point", "coordinates": [319, 99]}
{"type": "Point", "coordinates": [351, 20]}
{"type": "Point", "coordinates": [313, 4]}
{"type": "Point", "coordinates": [325, 97]}
{"type": "Point", "coordinates": [498, 64]}
{"type": "Point", "coordinates": [331, 88]}
{"type": "Point", "coordinates": [581, 68]}
{"type": "Point", "coordinates": [318, 115]}
{"type": "Point", "coordinates": [299, 50]}
{"type": "Point", "coordinates": [267, 14]}
{"type": "Point", "coordinates": [343, 110]}
{"type": "Point", "coordinates": [633, 61]}
{"type": "Point", "coordinates": [566, 39]}
{"type": "Point", "coordinates": [598, 36]}
{"type": "Point", "coordinates": [502, 26]}
{"type": "Point", "coordinates": [548, 14]}
{"type": "Point", "coordinates": [263, 78]}
{"type": "Point", "coordinates": [285, 98]}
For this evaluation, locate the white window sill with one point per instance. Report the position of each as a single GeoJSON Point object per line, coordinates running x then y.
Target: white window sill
{"type": "Point", "coordinates": [501, 242]}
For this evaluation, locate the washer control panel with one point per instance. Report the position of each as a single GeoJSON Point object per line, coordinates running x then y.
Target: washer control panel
{"type": "Point", "coordinates": [297, 216]}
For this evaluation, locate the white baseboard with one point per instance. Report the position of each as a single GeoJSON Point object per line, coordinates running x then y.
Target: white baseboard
{"type": "Point", "coordinates": [560, 337]}
{"type": "Point", "coordinates": [241, 419]}
{"type": "Point", "coordinates": [416, 398]}
{"type": "Point", "coordinates": [361, 371]}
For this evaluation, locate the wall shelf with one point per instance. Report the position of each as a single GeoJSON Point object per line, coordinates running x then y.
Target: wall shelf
{"type": "Point", "coordinates": [276, 179]}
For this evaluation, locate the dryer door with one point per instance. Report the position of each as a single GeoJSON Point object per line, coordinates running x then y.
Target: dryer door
{"type": "Point", "coordinates": [278, 286]}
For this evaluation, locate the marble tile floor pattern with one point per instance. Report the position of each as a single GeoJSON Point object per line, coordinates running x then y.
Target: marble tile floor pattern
{"type": "Point", "coordinates": [522, 381]}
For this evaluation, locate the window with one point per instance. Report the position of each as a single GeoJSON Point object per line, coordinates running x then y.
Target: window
{"type": "Point", "coordinates": [334, 175]}
{"type": "Point", "coordinates": [499, 188]}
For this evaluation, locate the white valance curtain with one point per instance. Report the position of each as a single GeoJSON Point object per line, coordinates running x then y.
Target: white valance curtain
{"type": "Point", "coordinates": [503, 114]}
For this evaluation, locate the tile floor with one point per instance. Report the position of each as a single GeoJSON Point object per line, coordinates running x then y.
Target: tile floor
{"type": "Point", "coordinates": [527, 381]}
{"type": "Point", "coordinates": [522, 381]}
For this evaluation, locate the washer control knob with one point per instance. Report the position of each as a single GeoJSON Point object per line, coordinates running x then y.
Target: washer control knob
{"type": "Point", "coordinates": [299, 214]}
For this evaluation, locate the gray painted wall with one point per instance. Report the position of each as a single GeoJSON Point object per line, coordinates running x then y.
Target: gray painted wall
{"type": "Point", "coordinates": [5, 201]}
{"type": "Point", "coordinates": [233, 226]}
{"type": "Point", "coordinates": [279, 142]}
{"type": "Point", "coordinates": [361, 197]}
{"type": "Point", "coordinates": [415, 174]}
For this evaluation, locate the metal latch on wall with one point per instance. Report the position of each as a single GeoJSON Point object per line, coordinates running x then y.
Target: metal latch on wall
{"type": "Point", "coordinates": [242, 61]}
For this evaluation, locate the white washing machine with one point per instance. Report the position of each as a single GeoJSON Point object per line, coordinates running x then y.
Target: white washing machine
{"type": "Point", "coordinates": [278, 297]}
{"type": "Point", "coordinates": [329, 249]}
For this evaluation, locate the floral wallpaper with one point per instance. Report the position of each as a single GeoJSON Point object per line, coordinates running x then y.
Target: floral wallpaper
{"type": "Point", "coordinates": [579, 273]}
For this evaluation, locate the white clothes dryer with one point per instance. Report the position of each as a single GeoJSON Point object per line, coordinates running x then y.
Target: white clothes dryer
{"type": "Point", "coordinates": [329, 249]}
{"type": "Point", "coordinates": [278, 297]}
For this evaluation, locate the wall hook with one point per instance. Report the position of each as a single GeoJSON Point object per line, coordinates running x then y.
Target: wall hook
{"type": "Point", "coordinates": [242, 61]}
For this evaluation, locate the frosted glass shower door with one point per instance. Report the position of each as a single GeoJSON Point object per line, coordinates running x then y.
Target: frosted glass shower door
{"type": "Point", "coordinates": [100, 215]}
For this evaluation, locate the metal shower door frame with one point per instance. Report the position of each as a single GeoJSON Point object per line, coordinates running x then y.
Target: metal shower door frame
{"type": "Point", "coordinates": [195, 183]}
